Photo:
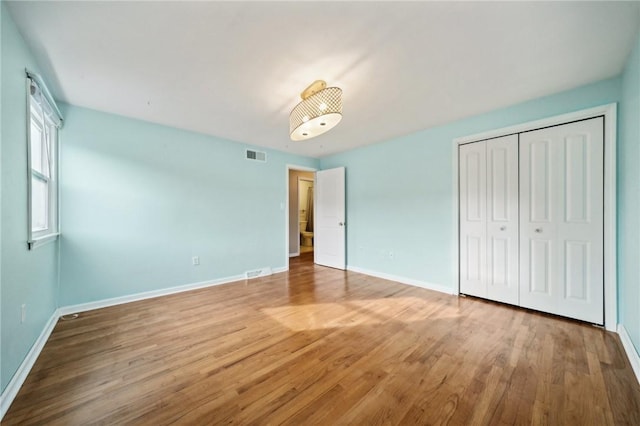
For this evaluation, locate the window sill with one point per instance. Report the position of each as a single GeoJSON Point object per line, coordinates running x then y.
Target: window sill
{"type": "Point", "coordinates": [40, 241]}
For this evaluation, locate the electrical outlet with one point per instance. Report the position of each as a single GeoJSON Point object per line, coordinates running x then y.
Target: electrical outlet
{"type": "Point", "coordinates": [196, 260]}
{"type": "Point", "coordinates": [23, 313]}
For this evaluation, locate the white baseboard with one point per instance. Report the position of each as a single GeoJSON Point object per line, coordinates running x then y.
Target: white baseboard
{"type": "Point", "coordinates": [82, 307]}
{"type": "Point", "coordinates": [294, 254]}
{"type": "Point", "coordinates": [403, 280]}
{"type": "Point", "coordinates": [630, 349]}
{"type": "Point", "coordinates": [98, 304]}
{"type": "Point", "coordinates": [280, 269]}
{"type": "Point", "coordinates": [21, 374]}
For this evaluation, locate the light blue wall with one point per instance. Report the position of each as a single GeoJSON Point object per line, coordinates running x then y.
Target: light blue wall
{"type": "Point", "coordinates": [629, 198]}
{"type": "Point", "coordinates": [139, 200]}
{"type": "Point", "coordinates": [400, 192]}
{"type": "Point", "coordinates": [2, 383]}
{"type": "Point", "coordinates": [27, 277]}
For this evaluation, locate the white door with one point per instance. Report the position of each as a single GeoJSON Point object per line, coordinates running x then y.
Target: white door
{"type": "Point", "coordinates": [329, 229]}
{"type": "Point", "coordinates": [502, 219]}
{"type": "Point", "coordinates": [561, 220]}
{"type": "Point", "coordinates": [489, 219]}
{"type": "Point", "coordinates": [473, 219]}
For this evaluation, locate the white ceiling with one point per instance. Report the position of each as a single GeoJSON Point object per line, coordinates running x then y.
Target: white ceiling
{"type": "Point", "coordinates": [235, 69]}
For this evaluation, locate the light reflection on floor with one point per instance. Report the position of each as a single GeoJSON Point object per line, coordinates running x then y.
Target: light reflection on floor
{"type": "Point", "coordinates": [353, 313]}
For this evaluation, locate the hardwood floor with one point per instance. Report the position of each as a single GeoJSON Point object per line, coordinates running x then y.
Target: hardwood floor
{"type": "Point", "coordinates": [322, 346]}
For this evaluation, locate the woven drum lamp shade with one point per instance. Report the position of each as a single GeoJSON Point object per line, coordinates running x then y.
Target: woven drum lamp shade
{"type": "Point", "coordinates": [319, 111]}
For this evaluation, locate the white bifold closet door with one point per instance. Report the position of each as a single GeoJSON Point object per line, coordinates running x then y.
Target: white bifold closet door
{"type": "Point", "coordinates": [561, 220]}
{"type": "Point", "coordinates": [489, 219]}
{"type": "Point", "coordinates": [473, 219]}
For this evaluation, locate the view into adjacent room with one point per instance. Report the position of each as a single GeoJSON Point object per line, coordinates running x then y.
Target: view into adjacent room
{"type": "Point", "coordinates": [301, 212]}
{"type": "Point", "coordinates": [305, 208]}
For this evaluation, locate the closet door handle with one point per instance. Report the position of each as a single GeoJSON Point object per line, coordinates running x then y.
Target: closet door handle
{"type": "Point", "coordinates": [503, 228]}
{"type": "Point", "coordinates": [539, 230]}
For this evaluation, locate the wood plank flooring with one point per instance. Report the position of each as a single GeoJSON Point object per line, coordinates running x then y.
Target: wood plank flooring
{"type": "Point", "coordinates": [321, 346]}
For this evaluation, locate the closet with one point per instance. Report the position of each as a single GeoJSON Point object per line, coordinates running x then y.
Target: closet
{"type": "Point", "coordinates": [531, 219]}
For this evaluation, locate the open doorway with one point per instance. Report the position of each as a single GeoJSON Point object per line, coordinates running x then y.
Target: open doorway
{"type": "Point", "coordinates": [329, 214]}
{"type": "Point", "coordinates": [300, 211]}
{"type": "Point", "coordinates": [305, 212]}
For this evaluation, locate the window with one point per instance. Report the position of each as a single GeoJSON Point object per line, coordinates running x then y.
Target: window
{"type": "Point", "coordinates": [44, 121]}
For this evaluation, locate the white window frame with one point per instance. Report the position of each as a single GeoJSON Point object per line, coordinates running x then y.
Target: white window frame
{"type": "Point", "coordinates": [44, 114]}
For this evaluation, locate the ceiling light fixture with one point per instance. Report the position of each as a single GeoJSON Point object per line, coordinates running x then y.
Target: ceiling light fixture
{"type": "Point", "coordinates": [319, 111]}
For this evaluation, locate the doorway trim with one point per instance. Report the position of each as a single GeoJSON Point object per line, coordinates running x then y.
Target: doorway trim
{"type": "Point", "coordinates": [288, 168]}
{"type": "Point", "coordinates": [609, 112]}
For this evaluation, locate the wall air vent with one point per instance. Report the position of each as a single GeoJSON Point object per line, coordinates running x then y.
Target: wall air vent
{"type": "Point", "coordinates": [256, 155]}
{"type": "Point", "coordinates": [263, 272]}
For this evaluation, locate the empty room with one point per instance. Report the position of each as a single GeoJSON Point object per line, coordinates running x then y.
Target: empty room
{"type": "Point", "coordinates": [322, 213]}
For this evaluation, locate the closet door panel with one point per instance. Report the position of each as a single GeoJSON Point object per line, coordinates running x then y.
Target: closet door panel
{"type": "Point", "coordinates": [473, 221]}
{"type": "Point", "coordinates": [540, 267]}
{"type": "Point", "coordinates": [561, 193]}
{"type": "Point", "coordinates": [538, 204]}
{"type": "Point", "coordinates": [582, 230]}
{"type": "Point", "coordinates": [502, 219]}
{"type": "Point", "coordinates": [538, 169]}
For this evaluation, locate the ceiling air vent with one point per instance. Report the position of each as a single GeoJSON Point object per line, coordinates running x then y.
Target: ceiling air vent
{"type": "Point", "coordinates": [256, 155]}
